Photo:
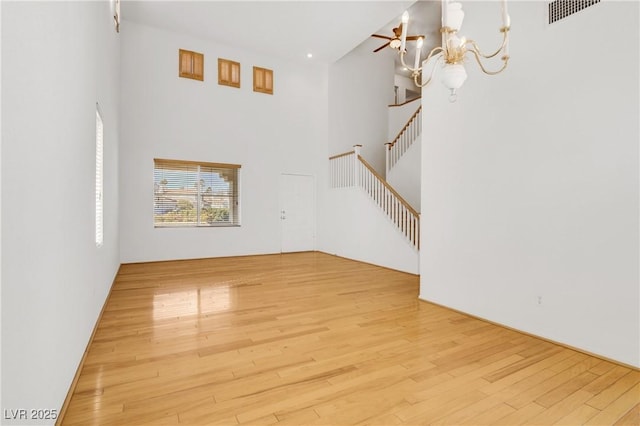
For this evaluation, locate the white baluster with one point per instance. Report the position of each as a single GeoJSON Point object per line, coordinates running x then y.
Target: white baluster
{"type": "Point", "coordinates": [356, 163]}
{"type": "Point", "coordinates": [387, 147]}
{"type": "Point", "coordinates": [334, 172]}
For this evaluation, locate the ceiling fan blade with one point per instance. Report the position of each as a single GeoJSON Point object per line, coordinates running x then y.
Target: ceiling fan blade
{"type": "Point", "coordinates": [381, 47]}
{"type": "Point", "coordinates": [381, 36]}
{"type": "Point", "coordinates": [398, 30]}
{"type": "Point", "coordinates": [415, 37]}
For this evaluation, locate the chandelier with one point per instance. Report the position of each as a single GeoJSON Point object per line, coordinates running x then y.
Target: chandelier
{"type": "Point", "coordinates": [454, 49]}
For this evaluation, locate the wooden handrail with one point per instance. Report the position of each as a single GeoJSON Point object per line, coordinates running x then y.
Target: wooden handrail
{"type": "Point", "coordinates": [386, 185]}
{"type": "Point", "coordinates": [345, 173]}
{"type": "Point", "coordinates": [405, 127]}
{"type": "Point", "coordinates": [405, 102]}
{"type": "Point", "coordinates": [344, 154]}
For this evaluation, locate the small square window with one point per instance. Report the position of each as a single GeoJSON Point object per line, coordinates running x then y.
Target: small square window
{"type": "Point", "coordinates": [228, 73]}
{"type": "Point", "coordinates": [263, 80]}
{"type": "Point", "coordinates": [191, 65]}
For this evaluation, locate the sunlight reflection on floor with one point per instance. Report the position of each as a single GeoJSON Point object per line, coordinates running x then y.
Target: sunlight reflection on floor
{"type": "Point", "coordinates": [196, 301]}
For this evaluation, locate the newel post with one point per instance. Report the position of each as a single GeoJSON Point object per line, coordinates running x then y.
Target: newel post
{"type": "Point", "coordinates": [387, 150]}
{"type": "Point", "coordinates": [356, 165]}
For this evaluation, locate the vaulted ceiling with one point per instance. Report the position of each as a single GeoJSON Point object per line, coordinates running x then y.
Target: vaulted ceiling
{"type": "Point", "coordinates": [289, 29]}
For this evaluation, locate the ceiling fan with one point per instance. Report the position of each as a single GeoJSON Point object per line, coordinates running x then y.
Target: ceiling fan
{"type": "Point", "coordinates": [394, 42]}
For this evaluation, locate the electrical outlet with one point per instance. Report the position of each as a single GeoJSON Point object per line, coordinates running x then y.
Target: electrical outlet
{"type": "Point", "coordinates": [539, 300]}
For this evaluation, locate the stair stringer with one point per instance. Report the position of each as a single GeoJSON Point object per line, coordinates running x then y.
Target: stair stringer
{"type": "Point", "coordinates": [362, 231]}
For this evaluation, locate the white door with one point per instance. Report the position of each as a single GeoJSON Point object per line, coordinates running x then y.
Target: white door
{"type": "Point", "coordinates": [297, 212]}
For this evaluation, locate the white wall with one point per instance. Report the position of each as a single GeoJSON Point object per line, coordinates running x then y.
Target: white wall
{"type": "Point", "coordinates": [1, 207]}
{"type": "Point", "coordinates": [59, 59]}
{"type": "Point", "coordinates": [349, 224]}
{"type": "Point", "coordinates": [164, 116]}
{"type": "Point", "coordinates": [404, 84]}
{"type": "Point", "coordinates": [405, 175]}
{"type": "Point", "coordinates": [362, 231]}
{"type": "Point", "coordinates": [530, 181]}
{"type": "Point", "coordinates": [360, 88]}
{"type": "Point", "coordinates": [398, 116]}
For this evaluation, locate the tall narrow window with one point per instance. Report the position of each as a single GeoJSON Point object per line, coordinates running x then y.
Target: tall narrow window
{"type": "Point", "coordinates": [116, 15]}
{"type": "Point", "coordinates": [189, 193]}
{"type": "Point", "coordinates": [99, 184]}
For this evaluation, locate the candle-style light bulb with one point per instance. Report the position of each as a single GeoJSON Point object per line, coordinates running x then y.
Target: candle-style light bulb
{"type": "Point", "coordinates": [505, 14]}
{"type": "Point", "coordinates": [445, 6]}
{"type": "Point", "coordinates": [418, 51]}
{"type": "Point", "coordinates": [403, 36]}
{"type": "Point", "coordinates": [506, 23]}
{"type": "Point", "coordinates": [506, 47]}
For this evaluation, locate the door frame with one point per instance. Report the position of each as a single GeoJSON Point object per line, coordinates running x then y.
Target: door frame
{"type": "Point", "coordinates": [313, 206]}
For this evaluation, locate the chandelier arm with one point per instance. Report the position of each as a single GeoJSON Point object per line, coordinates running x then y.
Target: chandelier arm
{"type": "Point", "coordinates": [484, 70]}
{"type": "Point", "coordinates": [402, 61]}
{"type": "Point", "coordinates": [433, 51]}
{"type": "Point", "coordinates": [433, 71]}
{"type": "Point", "coordinates": [417, 70]}
{"type": "Point", "coordinates": [476, 48]}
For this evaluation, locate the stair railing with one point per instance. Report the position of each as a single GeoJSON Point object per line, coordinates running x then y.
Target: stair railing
{"type": "Point", "coordinates": [409, 133]}
{"type": "Point", "coordinates": [351, 170]}
{"type": "Point", "coordinates": [342, 170]}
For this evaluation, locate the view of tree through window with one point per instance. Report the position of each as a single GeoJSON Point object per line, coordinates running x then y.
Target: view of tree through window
{"type": "Point", "coordinates": [195, 194]}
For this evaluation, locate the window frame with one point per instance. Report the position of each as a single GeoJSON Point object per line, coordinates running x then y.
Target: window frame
{"type": "Point", "coordinates": [229, 73]}
{"type": "Point", "coordinates": [178, 166]}
{"type": "Point", "coordinates": [99, 182]}
{"type": "Point", "coordinates": [263, 80]}
{"type": "Point", "coordinates": [190, 64]}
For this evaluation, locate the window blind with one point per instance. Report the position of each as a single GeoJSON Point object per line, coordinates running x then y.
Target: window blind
{"type": "Point", "coordinates": [99, 180]}
{"type": "Point", "coordinates": [188, 193]}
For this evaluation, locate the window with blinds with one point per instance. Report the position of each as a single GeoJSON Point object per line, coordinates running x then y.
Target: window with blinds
{"type": "Point", "coordinates": [99, 184]}
{"type": "Point", "coordinates": [191, 194]}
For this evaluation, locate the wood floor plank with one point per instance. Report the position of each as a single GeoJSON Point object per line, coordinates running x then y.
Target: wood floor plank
{"type": "Point", "coordinates": [521, 416]}
{"type": "Point", "coordinates": [556, 411]}
{"type": "Point", "coordinates": [563, 391]}
{"type": "Point", "coordinates": [490, 416]}
{"type": "Point", "coordinates": [579, 416]}
{"type": "Point", "coordinates": [431, 411]}
{"type": "Point", "coordinates": [523, 373]}
{"type": "Point", "coordinates": [298, 417]}
{"type": "Point", "coordinates": [606, 380]}
{"type": "Point", "coordinates": [309, 338]}
{"type": "Point", "coordinates": [379, 398]}
{"type": "Point", "coordinates": [631, 418]}
{"type": "Point", "coordinates": [470, 412]}
{"type": "Point", "coordinates": [619, 408]}
{"type": "Point", "coordinates": [613, 392]}
{"type": "Point", "coordinates": [561, 379]}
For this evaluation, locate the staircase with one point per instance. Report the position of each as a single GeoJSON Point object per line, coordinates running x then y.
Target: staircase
{"type": "Point", "coordinates": [389, 237]}
{"type": "Point", "coordinates": [351, 170]}
{"type": "Point", "coordinates": [399, 146]}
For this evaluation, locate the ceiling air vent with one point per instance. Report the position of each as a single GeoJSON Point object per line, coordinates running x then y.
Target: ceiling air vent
{"type": "Point", "coordinates": [560, 9]}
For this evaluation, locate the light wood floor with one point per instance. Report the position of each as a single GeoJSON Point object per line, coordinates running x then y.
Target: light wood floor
{"type": "Point", "coordinates": [310, 338]}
